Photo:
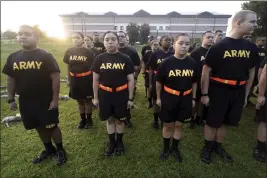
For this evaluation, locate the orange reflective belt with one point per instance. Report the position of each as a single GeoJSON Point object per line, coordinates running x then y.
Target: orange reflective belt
{"type": "Point", "coordinates": [120, 88]}
{"type": "Point", "coordinates": [229, 82]}
{"type": "Point", "coordinates": [80, 74]}
{"type": "Point", "coordinates": [175, 92]}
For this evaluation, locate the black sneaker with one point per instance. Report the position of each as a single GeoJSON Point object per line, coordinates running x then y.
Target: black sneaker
{"type": "Point", "coordinates": [177, 155]}
{"type": "Point", "coordinates": [81, 124]}
{"type": "Point", "coordinates": [61, 157]}
{"type": "Point", "coordinates": [223, 154]}
{"type": "Point", "coordinates": [155, 125]}
{"type": "Point", "coordinates": [44, 155]}
{"type": "Point", "coordinates": [110, 149]}
{"type": "Point", "coordinates": [164, 156]}
{"type": "Point", "coordinates": [206, 155]}
{"type": "Point", "coordinates": [128, 122]}
{"type": "Point", "coordinates": [191, 124]}
{"type": "Point", "coordinates": [150, 105]}
{"type": "Point", "coordinates": [119, 150]}
{"type": "Point", "coordinates": [89, 123]}
{"type": "Point", "coordinates": [260, 156]}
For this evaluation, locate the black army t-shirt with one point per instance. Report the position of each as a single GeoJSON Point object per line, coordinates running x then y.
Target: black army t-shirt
{"type": "Point", "coordinates": [263, 63]}
{"type": "Point", "coordinates": [31, 71]}
{"type": "Point", "coordinates": [232, 58]}
{"type": "Point", "coordinates": [145, 49]}
{"type": "Point", "coordinates": [178, 74]}
{"type": "Point", "coordinates": [132, 53]}
{"type": "Point", "coordinates": [79, 59]}
{"type": "Point", "coordinates": [113, 69]}
{"type": "Point", "coordinates": [100, 47]}
{"type": "Point", "coordinates": [157, 57]}
{"type": "Point", "coordinates": [262, 54]}
{"type": "Point", "coordinates": [146, 58]}
{"type": "Point", "coordinates": [199, 55]}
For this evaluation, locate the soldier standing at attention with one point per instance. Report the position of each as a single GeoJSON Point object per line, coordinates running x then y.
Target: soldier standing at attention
{"type": "Point", "coordinates": [113, 83]}
{"type": "Point", "coordinates": [80, 80]}
{"type": "Point", "coordinates": [227, 76]}
{"type": "Point", "coordinates": [33, 74]}
{"type": "Point", "coordinates": [155, 59]}
{"type": "Point", "coordinates": [176, 93]}
{"type": "Point", "coordinates": [199, 55]}
{"type": "Point", "coordinates": [97, 43]}
{"type": "Point", "coordinates": [132, 53]}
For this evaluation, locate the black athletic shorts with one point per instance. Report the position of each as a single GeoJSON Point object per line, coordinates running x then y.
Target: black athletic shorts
{"type": "Point", "coordinates": [205, 110]}
{"type": "Point", "coordinates": [81, 87]}
{"type": "Point", "coordinates": [113, 104]}
{"type": "Point", "coordinates": [226, 105]}
{"type": "Point", "coordinates": [255, 81]}
{"type": "Point", "coordinates": [35, 114]}
{"type": "Point", "coordinates": [175, 108]}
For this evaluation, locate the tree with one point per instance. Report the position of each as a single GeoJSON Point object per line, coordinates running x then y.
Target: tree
{"type": "Point", "coordinates": [133, 32]}
{"type": "Point", "coordinates": [144, 33]}
{"type": "Point", "coordinates": [9, 35]}
{"type": "Point", "coordinates": [260, 8]}
{"type": "Point", "coordinates": [41, 33]}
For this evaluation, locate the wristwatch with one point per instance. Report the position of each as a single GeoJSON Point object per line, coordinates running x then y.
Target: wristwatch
{"type": "Point", "coordinates": [205, 94]}
{"type": "Point", "coordinates": [10, 100]}
{"type": "Point", "coordinates": [194, 99]}
{"type": "Point", "coordinates": [131, 100]}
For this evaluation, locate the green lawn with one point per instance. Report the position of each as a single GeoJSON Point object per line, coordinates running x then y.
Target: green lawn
{"type": "Point", "coordinates": [143, 144]}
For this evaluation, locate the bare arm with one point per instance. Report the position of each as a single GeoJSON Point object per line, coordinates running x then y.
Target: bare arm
{"type": "Point", "coordinates": [158, 89]}
{"type": "Point", "coordinates": [194, 86]}
{"type": "Point", "coordinates": [250, 81]}
{"type": "Point", "coordinates": [130, 78]}
{"type": "Point", "coordinates": [95, 84]}
{"type": "Point", "coordinates": [55, 77]}
{"type": "Point", "coordinates": [262, 81]}
{"type": "Point", "coordinates": [11, 87]}
{"type": "Point", "coordinates": [205, 79]}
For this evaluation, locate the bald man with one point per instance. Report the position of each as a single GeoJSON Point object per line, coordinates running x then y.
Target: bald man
{"type": "Point", "coordinates": [227, 76]}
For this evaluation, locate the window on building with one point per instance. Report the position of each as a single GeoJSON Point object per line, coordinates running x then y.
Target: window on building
{"type": "Point", "coordinates": [115, 27]}
{"type": "Point", "coordinates": [153, 28]}
{"type": "Point", "coordinates": [167, 28]}
{"type": "Point", "coordinates": [122, 28]}
{"type": "Point", "coordinates": [161, 28]}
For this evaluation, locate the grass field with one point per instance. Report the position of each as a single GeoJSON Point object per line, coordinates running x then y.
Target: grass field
{"type": "Point", "coordinates": [143, 144]}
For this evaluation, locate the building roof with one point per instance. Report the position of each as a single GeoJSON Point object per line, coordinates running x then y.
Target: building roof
{"type": "Point", "coordinates": [142, 13]}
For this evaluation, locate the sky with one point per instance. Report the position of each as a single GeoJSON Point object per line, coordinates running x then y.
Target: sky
{"type": "Point", "coordinates": [46, 13]}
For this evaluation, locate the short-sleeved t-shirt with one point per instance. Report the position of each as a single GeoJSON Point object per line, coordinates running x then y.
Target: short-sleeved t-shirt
{"type": "Point", "coordinates": [132, 53]}
{"type": "Point", "coordinates": [100, 47]}
{"type": "Point", "coordinates": [232, 59]}
{"type": "Point", "coordinates": [199, 55]}
{"type": "Point", "coordinates": [145, 49]}
{"type": "Point", "coordinates": [79, 59]}
{"type": "Point", "coordinates": [113, 68]}
{"type": "Point", "coordinates": [157, 57]}
{"type": "Point", "coordinates": [178, 74]}
{"type": "Point", "coordinates": [262, 54]}
{"type": "Point", "coordinates": [31, 71]}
